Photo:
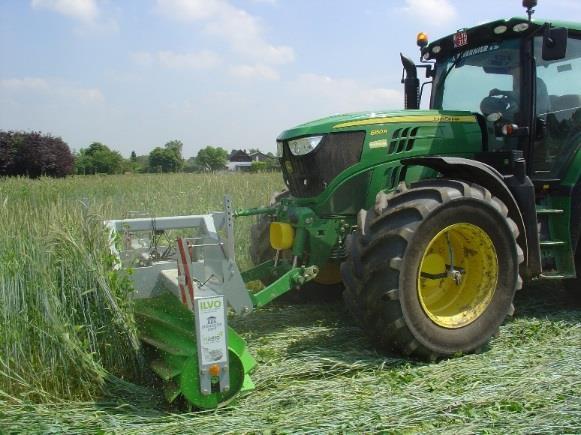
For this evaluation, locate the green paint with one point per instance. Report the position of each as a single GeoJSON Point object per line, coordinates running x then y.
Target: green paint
{"type": "Point", "coordinates": [297, 276]}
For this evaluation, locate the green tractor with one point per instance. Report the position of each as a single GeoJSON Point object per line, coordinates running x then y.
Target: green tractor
{"type": "Point", "coordinates": [429, 219]}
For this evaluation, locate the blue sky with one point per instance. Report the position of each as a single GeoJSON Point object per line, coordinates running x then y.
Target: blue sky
{"type": "Point", "coordinates": [135, 74]}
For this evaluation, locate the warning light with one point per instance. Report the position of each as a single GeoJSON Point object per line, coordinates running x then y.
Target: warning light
{"type": "Point", "coordinates": [214, 370]}
{"type": "Point", "coordinates": [422, 39]}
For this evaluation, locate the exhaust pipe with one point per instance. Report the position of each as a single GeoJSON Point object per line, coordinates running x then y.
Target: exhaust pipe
{"type": "Point", "coordinates": [411, 83]}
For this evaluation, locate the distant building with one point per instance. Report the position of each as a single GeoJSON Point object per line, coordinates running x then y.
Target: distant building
{"type": "Point", "coordinates": [239, 160]}
{"type": "Point", "coordinates": [260, 157]}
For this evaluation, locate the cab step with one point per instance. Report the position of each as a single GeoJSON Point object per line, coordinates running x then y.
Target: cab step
{"type": "Point", "coordinates": [551, 275]}
{"type": "Point", "coordinates": [552, 243]}
{"type": "Point", "coordinates": [541, 210]}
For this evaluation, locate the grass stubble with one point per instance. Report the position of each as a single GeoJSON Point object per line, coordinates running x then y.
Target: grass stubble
{"type": "Point", "coordinates": [68, 348]}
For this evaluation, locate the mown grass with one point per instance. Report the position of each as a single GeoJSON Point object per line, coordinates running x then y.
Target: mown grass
{"type": "Point", "coordinates": [317, 372]}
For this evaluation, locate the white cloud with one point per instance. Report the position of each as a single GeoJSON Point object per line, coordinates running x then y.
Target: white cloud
{"type": "Point", "coordinates": [438, 12]}
{"type": "Point", "coordinates": [341, 95]}
{"type": "Point", "coordinates": [89, 17]}
{"type": "Point", "coordinates": [190, 10]}
{"type": "Point", "coordinates": [143, 58]}
{"type": "Point", "coordinates": [241, 30]}
{"type": "Point", "coordinates": [254, 71]}
{"type": "Point", "coordinates": [572, 4]}
{"type": "Point", "coordinates": [85, 96]}
{"type": "Point", "coordinates": [51, 88]}
{"type": "Point", "coordinates": [198, 60]}
{"type": "Point", "coordinates": [24, 84]}
{"type": "Point", "coordinates": [85, 10]}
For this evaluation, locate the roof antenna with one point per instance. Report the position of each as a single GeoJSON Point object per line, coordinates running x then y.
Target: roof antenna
{"type": "Point", "coordinates": [529, 4]}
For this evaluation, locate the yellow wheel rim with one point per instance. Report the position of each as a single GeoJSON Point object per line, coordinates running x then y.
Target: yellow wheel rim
{"type": "Point", "coordinates": [455, 297]}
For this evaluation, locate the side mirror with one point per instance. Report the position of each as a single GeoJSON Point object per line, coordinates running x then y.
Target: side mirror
{"type": "Point", "coordinates": [555, 43]}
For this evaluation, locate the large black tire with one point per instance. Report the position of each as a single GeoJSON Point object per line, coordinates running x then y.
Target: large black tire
{"type": "Point", "coordinates": [382, 270]}
{"type": "Point", "coordinates": [261, 251]}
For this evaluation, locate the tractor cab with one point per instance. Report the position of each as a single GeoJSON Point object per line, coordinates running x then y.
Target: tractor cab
{"type": "Point", "coordinates": [521, 79]}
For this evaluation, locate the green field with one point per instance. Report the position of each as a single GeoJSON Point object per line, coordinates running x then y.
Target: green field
{"type": "Point", "coordinates": [70, 359]}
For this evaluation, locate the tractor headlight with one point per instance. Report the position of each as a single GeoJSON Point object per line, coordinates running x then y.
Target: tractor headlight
{"type": "Point", "coordinates": [279, 148]}
{"type": "Point", "coordinates": [304, 145]}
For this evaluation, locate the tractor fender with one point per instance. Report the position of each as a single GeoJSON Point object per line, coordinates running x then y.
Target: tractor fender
{"type": "Point", "coordinates": [473, 171]}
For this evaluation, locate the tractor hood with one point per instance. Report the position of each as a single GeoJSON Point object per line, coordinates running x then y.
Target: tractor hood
{"type": "Point", "coordinates": [365, 120]}
{"type": "Point", "coordinates": [314, 154]}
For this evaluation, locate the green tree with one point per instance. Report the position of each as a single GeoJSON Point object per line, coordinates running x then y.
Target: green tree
{"type": "Point", "coordinates": [167, 159]}
{"type": "Point", "coordinates": [212, 158]}
{"type": "Point", "coordinates": [98, 158]}
{"type": "Point", "coordinates": [164, 160]}
{"type": "Point", "coordinates": [273, 164]}
{"type": "Point", "coordinates": [133, 157]}
{"type": "Point", "coordinates": [142, 164]}
{"type": "Point", "coordinates": [191, 165]}
{"type": "Point", "coordinates": [176, 146]}
{"type": "Point", "coordinates": [258, 166]}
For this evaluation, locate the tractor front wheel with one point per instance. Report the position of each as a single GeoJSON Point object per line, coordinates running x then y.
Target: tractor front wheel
{"type": "Point", "coordinates": [433, 268]}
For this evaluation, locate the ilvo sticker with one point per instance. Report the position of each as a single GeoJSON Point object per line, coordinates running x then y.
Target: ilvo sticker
{"type": "Point", "coordinates": [211, 323]}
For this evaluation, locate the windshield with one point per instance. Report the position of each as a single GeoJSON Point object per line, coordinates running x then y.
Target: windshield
{"type": "Point", "coordinates": [483, 79]}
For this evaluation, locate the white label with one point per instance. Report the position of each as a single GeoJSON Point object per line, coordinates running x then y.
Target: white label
{"type": "Point", "coordinates": [211, 318]}
{"type": "Point", "coordinates": [381, 143]}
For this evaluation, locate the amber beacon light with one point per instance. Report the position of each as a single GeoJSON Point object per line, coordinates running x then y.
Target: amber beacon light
{"type": "Point", "coordinates": [422, 39]}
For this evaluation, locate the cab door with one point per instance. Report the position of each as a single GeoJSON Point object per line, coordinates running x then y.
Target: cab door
{"type": "Point", "coordinates": [556, 169]}
{"type": "Point", "coordinates": [558, 108]}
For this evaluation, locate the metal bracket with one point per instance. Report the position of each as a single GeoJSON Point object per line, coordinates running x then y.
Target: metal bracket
{"type": "Point", "coordinates": [213, 266]}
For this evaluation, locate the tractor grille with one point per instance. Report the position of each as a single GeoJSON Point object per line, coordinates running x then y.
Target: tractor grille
{"type": "Point", "coordinates": [402, 139]}
{"type": "Point", "coordinates": [308, 175]}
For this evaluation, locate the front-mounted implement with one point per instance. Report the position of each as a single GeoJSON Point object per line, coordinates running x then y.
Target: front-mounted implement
{"type": "Point", "coordinates": [186, 281]}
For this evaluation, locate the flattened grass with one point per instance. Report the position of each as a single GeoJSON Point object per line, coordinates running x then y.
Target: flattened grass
{"type": "Point", "coordinates": [318, 373]}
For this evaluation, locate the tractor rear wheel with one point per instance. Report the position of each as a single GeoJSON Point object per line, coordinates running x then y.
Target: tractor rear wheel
{"type": "Point", "coordinates": [432, 270]}
{"type": "Point", "coordinates": [327, 286]}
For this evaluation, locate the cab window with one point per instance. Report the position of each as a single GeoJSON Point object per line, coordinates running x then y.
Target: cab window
{"type": "Point", "coordinates": [558, 105]}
